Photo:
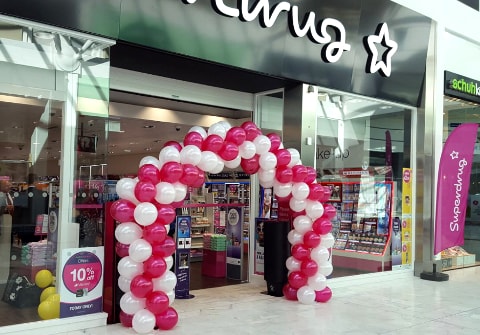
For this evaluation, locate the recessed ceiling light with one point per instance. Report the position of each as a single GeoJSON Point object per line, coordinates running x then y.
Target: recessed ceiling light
{"type": "Point", "coordinates": [148, 149]}
{"type": "Point", "coordinates": [148, 126]}
{"type": "Point", "coordinates": [157, 141]}
{"type": "Point", "coordinates": [127, 150]}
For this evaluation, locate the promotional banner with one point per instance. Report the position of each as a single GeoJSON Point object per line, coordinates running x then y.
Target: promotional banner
{"type": "Point", "coordinates": [452, 186]}
{"type": "Point", "coordinates": [182, 259]}
{"type": "Point", "coordinates": [407, 216]}
{"type": "Point", "coordinates": [234, 234]}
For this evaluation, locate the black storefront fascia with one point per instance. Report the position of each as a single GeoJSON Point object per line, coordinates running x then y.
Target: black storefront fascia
{"type": "Point", "coordinates": [165, 37]}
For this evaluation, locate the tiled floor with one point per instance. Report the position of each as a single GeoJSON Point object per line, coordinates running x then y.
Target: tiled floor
{"type": "Point", "coordinates": [382, 303]}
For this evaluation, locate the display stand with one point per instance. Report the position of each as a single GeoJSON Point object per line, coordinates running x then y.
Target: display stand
{"type": "Point", "coordinates": [182, 257]}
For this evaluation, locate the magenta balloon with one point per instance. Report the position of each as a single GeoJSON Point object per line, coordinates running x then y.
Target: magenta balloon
{"type": "Point", "coordinates": [165, 248]}
{"type": "Point", "coordinates": [212, 143]}
{"type": "Point", "coordinates": [126, 319]}
{"type": "Point", "coordinates": [121, 249]}
{"type": "Point", "coordinates": [297, 279]}
{"type": "Point", "coordinates": [300, 172]}
{"type": "Point", "coordinates": [284, 174]}
{"type": "Point", "coordinates": [154, 266]}
{"type": "Point", "coordinates": [157, 302]}
{"type": "Point", "coordinates": [311, 175]}
{"type": "Point", "coordinates": [122, 210]}
{"type": "Point", "coordinates": [329, 211]}
{"type": "Point", "coordinates": [311, 239]}
{"type": "Point", "coordinates": [253, 133]}
{"type": "Point", "coordinates": [300, 252]}
{"type": "Point", "coordinates": [327, 193]}
{"type": "Point", "coordinates": [167, 320]}
{"type": "Point", "coordinates": [171, 172]}
{"type": "Point", "coordinates": [229, 151]}
{"type": "Point", "coordinates": [193, 138]}
{"type": "Point", "coordinates": [149, 172]}
{"type": "Point", "coordinates": [249, 125]}
{"type": "Point", "coordinates": [275, 140]}
{"type": "Point", "coordinates": [189, 175]}
{"type": "Point", "coordinates": [200, 179]}
{"type": "Point", "coordinates": [294, 214]}
{"type": "Point", "coordinates": [322, 225]}
{"type": "Point", "coordinates": [289, 292]}
{"type": "Point", "coordinates": [283, 157]}
{"type": "Point", "coordinates": [154, 233]}
{"type": "Point", "coordinates": [309, 267]}
{"type": "Point", "coordinates": [173, 144]}
{"type": "Point", "coordinates": [236, 135]}
{"type": "Point", "coordinates": [316, 192]}
{"type": "Point", "coordinates": [251, 165]}
{"type": "Point", "coordinates": [145, 191]}
{"type": "Point", "coordinates": [323, 295]}
{"type": "Point", "coordinates": [141, 286]}
{"type": "Point", "coordinates": [166, 214]}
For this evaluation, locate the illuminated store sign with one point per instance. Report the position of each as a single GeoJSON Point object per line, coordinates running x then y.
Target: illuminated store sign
{"type": "Point", "coordinates": [462, 87]}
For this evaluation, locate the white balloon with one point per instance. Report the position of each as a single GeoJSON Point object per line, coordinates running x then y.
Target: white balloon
{"type": "Point", "coordinates": [140, 250]}
{"type": "Point", "coordinates": [208, 161]}
{"type": "Point", "coordinates": [234, 163]}
{"type": "Point", "coordinates": [165, 193]}
{"type": "Point", "coordinates": [128, 268]}
{"type": "Point", "coordinates": [327, 240]}
{"type": "Point", "coordinates": [293, 264]}
{"type": "Point", "coordinates": [325, 268]}
{"type": "Point", "coordinates": [295, 237]}
{"type": "Point", "coordinates": [190, 154]}
{"type": "Point", "coordinates": [267, 184]}
{"type": "Point", "coordinates": [302, 224]}
{"type": "Point", "coordinates": [171, 297]}
{"type": "Point", "coordinates": [267, 161]}
{"type": "Point", "coordinates": [226, 125]}
{"type": "Point", "coordinates": [145, 213]}
{"type": "Point", "coordinates": [282, 190]}
{"type": "Point", "coordinates": [143, 321]}
{"type": "Point", "coordinates": [199, 130]}
{"type": "Point", "coordinates": [150, 160]}
{"type": "Point", "coordinates": [169, 259]}
{"type": "Point", "coordinates": [262, 144]}
{"type": "Point", "coordinates": [247, 149]}
{"type": "Point", "coordinates": [300, 191]}
{"type": "Point", "coordinates": [169, 154]}
{"type": "Point", "coordinates": [266, 175]}
{"type": "Point", "coordinates": [125, 189]}
{"type": "Point", "coordinates": [130, 304]}
{"type": "Point", "coordinates": [317, 282]}
{"type": "Point", "coordinates": [220, 166]}
{"type": "Point", "coordinates": [165, 282]}
{"type": "Point", "coordinates": [306, 295]}
{"type": "Point", "coordinates": [314, 209]}
{"type": "Point", "coordinates": [320, 254]}
{"type": "Point", "coordinates": [124, 283]}
{"type": "Point", "coordinates": [180, 191]}
{"type": "Point", "coordinates": [297, 205]}
{"type": "Point", "coordinates": [295, 157]}
{"type": "Point", "coordinates": [127, 232]}
{"type": "Point", "coordinates": [217, 129]}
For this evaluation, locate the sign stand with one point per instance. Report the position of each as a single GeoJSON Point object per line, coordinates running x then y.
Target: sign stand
{"type": "Point", "coordinates": [234, 232]}
{"type": "Point", "coordinates": [182, 257]}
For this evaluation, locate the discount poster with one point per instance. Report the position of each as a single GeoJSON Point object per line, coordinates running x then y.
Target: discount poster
{"type": "Point", "coordinates": [82, 281]}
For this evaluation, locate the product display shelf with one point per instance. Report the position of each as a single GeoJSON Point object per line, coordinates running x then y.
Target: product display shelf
{"type": "Point", "coordinates": [202, 221]}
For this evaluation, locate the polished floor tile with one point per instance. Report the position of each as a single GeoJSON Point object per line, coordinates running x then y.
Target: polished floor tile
{"type": "Point", "coordinates": [383, 303]}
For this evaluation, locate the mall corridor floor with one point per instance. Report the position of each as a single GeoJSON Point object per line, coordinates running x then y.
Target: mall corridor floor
{"type": "Point", "coordinates": [385, 303]}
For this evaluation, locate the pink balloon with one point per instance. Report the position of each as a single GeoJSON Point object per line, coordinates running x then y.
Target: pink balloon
{"type": "Point", "coordinates": [289, 292]}
{"type": "Point", "coordinates": [311, 239]}
{"type": "Point", "coordinates": [284, 174]}
{"type": "Point", "coordinates": [322, 225]}
{"type": "Point", "coordinates": [166, 214]}
{"type": "Point", "coordinates": [175, 144]}
{"type": "Point", "coordinates": [149, 172]}
{"type": "Point", "coordinates": [300, 172]}
{"type": "Point", "coordinates": [200, 179]}
{"type": "Point", "coordinates": [171, 172]}
{"type": "Point", "coordinates": [294, 214]}
{"type": "Point", "coordinates": [329, 211]}
{"type": "Point", "coordinates": [154, 267]}
{"type": "Point", "coordinates": [193, 138]}
{"type": "Point", "coordinates": [126, 319]}
{"type": "Point", "coordinates": [165, 248]}
{"type": "Point", "coordinates": [229, 151]}
{"type": "Point", "coordinates": [309, 267]}
{"type": "Point", "coordinates": [141, 286]}
{"type": "Point", "coordinates": [157, 302]}
{"type": "Point", "coordinates": [251, 165]}
{"type": "Point", "coordinates": [316, 192]}
{"type": "Point", "coordinates": [283, 157]}
{"type": "Point", "coordinates": [122, 210]}
{"type": "Point", "coordinates": [154, 233]}
{"type": "Point", "coordinates": [121, 249]}
{"type": "Point", "coordinates": [300, 252]}
{"type": "Point", "coordinates": [311, 175]}
{"type": "Point", "coordinates": [251, 130]}
{"type": "Point", "coordinates": [297, 279]}
{"type": "Point", "coordinates": [145, 191]}
{"type": "Point", "coordinates": [167, 320]}
{"type": "Point", "coordinates": [212, 143]}
{"type": "Point", "coordinates": [189, 175]}
{"type": "Point", "coordinates": [275, 140]}
{"type": "Point", "coordinates": [236, 135]}
{"type": "Point", "coordinates": [327, 193]}
{"type": "Point", "coordinates": [323, 295]}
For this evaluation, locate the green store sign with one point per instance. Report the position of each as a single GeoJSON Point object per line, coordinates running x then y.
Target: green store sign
{"type": "Point", "coordinates": [462, 87]}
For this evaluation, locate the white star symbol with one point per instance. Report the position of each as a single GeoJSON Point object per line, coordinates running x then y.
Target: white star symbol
{"type": "Point", "coordinates": [454, 155]}
{"type": "Point", "coordinates": [383, 38]}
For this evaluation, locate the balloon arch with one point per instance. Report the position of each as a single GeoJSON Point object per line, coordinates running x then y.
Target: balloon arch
{"type": "Point", "coordinates": [147, 206]}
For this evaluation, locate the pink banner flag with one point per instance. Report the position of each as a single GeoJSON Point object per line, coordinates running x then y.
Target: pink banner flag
{"type": "Point", "coordinates": [452, 186]}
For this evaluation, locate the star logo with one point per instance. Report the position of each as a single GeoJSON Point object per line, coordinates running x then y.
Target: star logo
{"type": "Point", "coordinates": [454, 154]}
{"type": "Point", "coordinates": [382, 37]}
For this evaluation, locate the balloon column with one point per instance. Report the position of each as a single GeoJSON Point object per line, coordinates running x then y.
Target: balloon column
{"type": "Point", "coordinates": [147, 206]}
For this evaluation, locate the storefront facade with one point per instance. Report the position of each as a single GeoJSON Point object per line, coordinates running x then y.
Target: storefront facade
{"type": "Point", "coordinates": [383, 53]}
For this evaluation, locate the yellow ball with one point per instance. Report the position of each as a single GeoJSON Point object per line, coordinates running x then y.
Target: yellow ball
{"type": "Point", "coordinates": [54, 298]}
{"type": "Point", "coordinates": [49, 310]}
{"type": "Point", "coordinates": [47, 292]}
{"type": "Point", "coordinates": [43, 278]}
